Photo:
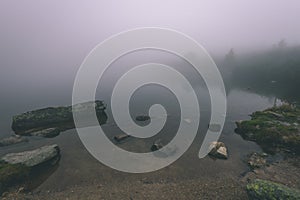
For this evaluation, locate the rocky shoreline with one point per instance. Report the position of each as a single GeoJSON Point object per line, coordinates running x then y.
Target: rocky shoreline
{"type": "Point", "coordinates": [275, 129]}
{"type": "Point", "coordinates": [17, 169]}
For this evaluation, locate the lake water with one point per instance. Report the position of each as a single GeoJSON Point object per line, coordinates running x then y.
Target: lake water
{"type": "Point", "coordinates": [78, 167]}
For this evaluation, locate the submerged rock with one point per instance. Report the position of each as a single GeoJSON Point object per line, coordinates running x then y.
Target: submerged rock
{"type": "Point", "coordinates": [15, 139]}
{"type": "Point", "coordinates": [214, 127]}
{"type": "Point", "coordinates": [187, 120]}
{"type": "Point", "coordinates": [119, 138]}
{"type": "Point", "coordinates": [218, 150]}
{"type": "Point", "coordinates": [19, 168]}
{"type": "Point", "coordinates": [142, 118]}
{"type": "Point", "coordinates": [267, 190]}
{"type": "Point", "coordinates": [30, 123]}
{"type": "Point", "coordinates": [274, 129]}
{"type": "Point", "coordinates": [48, 133]}
{"type": "Point", "coordinates": [158, 144]}
{"type": "Point", "coordinates": [12, 174]}
{"type": "Point", "coordinates": [34, 157]}
{"type": "Point", "coordinates": [161, 149]}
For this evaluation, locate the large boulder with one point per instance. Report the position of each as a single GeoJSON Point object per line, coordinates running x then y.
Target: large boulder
{"type": "Point", "coordinates": [218, 150]}
{"type": "Point", "coordinates": [15, 139]}
{"type": "Point", "coordinates": [268, 190]}
{"type": "Point", "coordinates": [61, 118]}
{"type": "Point", "coordinates": [34, 157]}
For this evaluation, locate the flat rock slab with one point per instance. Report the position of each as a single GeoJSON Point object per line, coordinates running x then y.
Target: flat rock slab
{"type": "Point", "coordinates": [38, 122]}
{"type": "Point", "coordinates": [34, 157]}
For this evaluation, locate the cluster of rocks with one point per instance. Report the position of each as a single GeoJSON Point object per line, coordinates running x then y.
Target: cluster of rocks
{"type": "Point", "coordinates": [123, 136]}
{"type": "Point", "coordinates": [276, 130]}
{"type": "Point", "coordinates": [217, 149]}
{"type": "Point", "coordinates": [262, 183]}
{"type": "Point", "coordinates": [16, 168]}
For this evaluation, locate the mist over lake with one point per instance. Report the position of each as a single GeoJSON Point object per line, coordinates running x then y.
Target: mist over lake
{"type": "Point", "coordinates": [256, 48]}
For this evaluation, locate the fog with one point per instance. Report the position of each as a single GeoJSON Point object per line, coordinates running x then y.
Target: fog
{"type": "Point", "coordinates": [43, 43]}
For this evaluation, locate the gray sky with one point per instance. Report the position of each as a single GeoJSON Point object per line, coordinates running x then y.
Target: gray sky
{"type": "Point", "coordinates": [44, 40]}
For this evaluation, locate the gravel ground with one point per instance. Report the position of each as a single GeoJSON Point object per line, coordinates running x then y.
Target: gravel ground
{"type": "Point", "coordinates": [191, 189]}
{"type": "Point", "coordinates": [285, 171]}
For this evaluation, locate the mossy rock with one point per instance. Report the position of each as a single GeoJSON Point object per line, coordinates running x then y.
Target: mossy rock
{"type": "Point", "coordinates": [273, 129]}
{"type": "Point", "coordinates": [12, 174]}
{"type": "Point", "coordinates": [267, 190]}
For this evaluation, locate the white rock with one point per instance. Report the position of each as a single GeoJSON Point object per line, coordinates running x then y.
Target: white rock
{"type": "Point", "coordinates": [218, 150]}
